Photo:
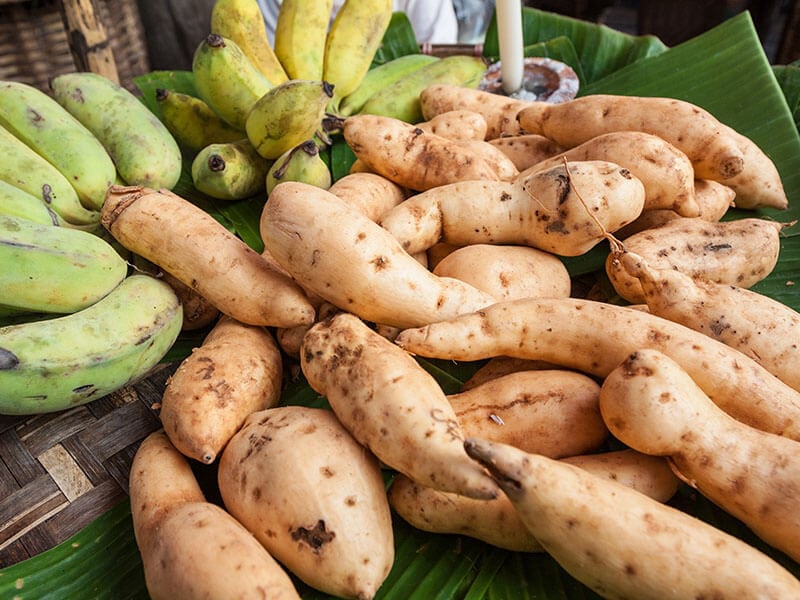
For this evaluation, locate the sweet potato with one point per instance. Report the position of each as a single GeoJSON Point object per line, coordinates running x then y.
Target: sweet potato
{"type": "Point", "coordinates": [236, 371]}
{"type": "Point", "coordinates": [713, 151]}
{"type": "Point", "coordinates": [313, 497]}
{"type": "Point", "coordinates": [500, 112]}
{"type": "Point", "coordinates": [507, 272]}
{"type": "Point", "coordinates": [336, 252]}
{"type": "Point", "coordinates": [189, 546]}
{"type": "Point", "coordinates": [497, 521]}
{"type": "Point", "coordinates": [390, 404]}
{"type": "Point", "coordinates": [740, 252]}
{"type": "Point", "coordinates": [666, 172]}
{"type": "Point", "coordinates": [764, 329]}
{"type": "Point", "coordinates": [526, 150]}
{"type": "Point", "coordinates": [457, 125]}
{"type": "Point", "coordinates": [623, 544]}
{"type": "Point", "coordinates": [410, 157]}
{"type": "Point", "coordinates": [190, 244]}
{"type": "Point", "coordinates": [594, 337]}
{"type": "Point", "coordinates": [553, 412]}
{"type": "Point", "coordinates": [651, 404]}
{"type": "Point", "coordinates": [565, 210]}
{"type": "Point", "coordinates": [370, 193]}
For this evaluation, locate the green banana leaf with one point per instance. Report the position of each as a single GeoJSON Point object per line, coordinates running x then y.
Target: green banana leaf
{"type": "Point", "coordinates": [723, 70]}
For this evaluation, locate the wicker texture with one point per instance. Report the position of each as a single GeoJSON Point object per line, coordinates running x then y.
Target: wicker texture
{"type": "Point", "coordinates": [36, 42]}
{"type": "Point", "coordinates": [60, 471]}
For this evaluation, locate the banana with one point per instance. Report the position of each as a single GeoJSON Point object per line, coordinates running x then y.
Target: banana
{"type": "Point", "coordinates": [142, 148]}
{"type": "Point", "coordinates": [53, 133]}
{"type": "Point", "coordinates": [227, 80]}
{"type": "Point", "coordinates": [380, 77]}
{"type": "Point", "coordinates": [355, 35]}
{"type": "Point", "coordinates": [230, 171]}
{"type": "Point", "coordinates": [242, 22]}
{"type": "Point", "coordinates": [287, 115]}
{"type": "Point", "coordinates": [192, 122]}
{"type": "Point", "coordinates": [401, 98]}
{"type": "Point", "coordinates": [16, 202]}
{"type": "Point", "coordinates": [21, 167]}
{"type": "Point", "coordinates": [302, 163]}
{"type": "Point", "coordinates": [59, 363]}
{"type": "Point", "coordinates": [54, 269]}
{"type": "Point", "coordinates": [300, 31]}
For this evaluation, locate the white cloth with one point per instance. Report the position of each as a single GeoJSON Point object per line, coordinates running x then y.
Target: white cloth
{"type": "Point", "coordinates": [434, 21]}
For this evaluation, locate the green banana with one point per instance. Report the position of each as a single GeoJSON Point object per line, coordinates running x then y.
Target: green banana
{"type": "Point", "coordinates": [192, 122]}
{"type": "Point", "coordinates": [242, 22]}
{"type": "Point", "coordinates": [142, 148]}
{"type": "Point", "coordinates": [351, 43]}
{"type": "Point", "coordinates": [300, 31]}
{"type": "Point", "coordinates": [21, 167]}
{"type": "Point", "coordinates": [380, 77]}
{"type": "Point", "coordinates": [227, 80]}
{"type": "Point", "coordinates": [54, 269]}
{"type": "Point", "coordinates": [16, 202]}
{"type": "Point", "coordinates": [287, 115]}
{"type": "Point", "coordinates": [53, 133]}
{"type": "Point", "coordinates": [302, 163]}
{"type": "Point", "coordinates": [401, 99]}
{"type": "Point", "coordinates": [230, 171]}
{"type": "Point", "coordinates": [59, 363]}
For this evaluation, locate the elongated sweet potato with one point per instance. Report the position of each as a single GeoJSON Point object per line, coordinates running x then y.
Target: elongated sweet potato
{"type": "Point", "coordinates": [595, 337]}
{"type": "Point", "coordinates": [336, 252]}
{"type": "Point", "coordinates": [623, 544]}
{"type": "Point", "coordinates": [654, 406]}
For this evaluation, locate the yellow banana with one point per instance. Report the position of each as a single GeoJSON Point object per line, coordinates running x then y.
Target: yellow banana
{"type": "Point", "coordinates": [54, 269]}
{"type": "Point", "coordinates": [66, 361]}
{"type": "Point", "coordinates": [351, 43]}
{"type": "Point", "coordinates": [21, 167]}
{"type": "Point", "coordinates": [15, 202]}
{"type": "Point", "coordinates": [227, 80]}
{"type": "Point", "coordinates": [300, 31]}
{"type": "Point", "coordinates": [53, 133]}
{"type": "Point", "coordinates": [380, 77]}
{"type": "Point", "coordinates": [143, 149]}
{"type": "Point", "coordinates": [242, 22]}
{"type": "Point", "coordinates": [401, 98]}
{"type": "Point", "coordinates": [231, 171]}
{"type": "Point", "coordinates": [302, 163]}
{"type": "Point", "coordinates": [287, 115]}
{"type": "Point", "coordinates": [192, 122]}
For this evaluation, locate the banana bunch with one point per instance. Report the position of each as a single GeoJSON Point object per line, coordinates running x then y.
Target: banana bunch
{"type": "Point", "coordinates": [74, 325]}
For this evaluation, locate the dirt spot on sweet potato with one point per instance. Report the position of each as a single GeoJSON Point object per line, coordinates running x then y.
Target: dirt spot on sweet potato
{"type": "Point", "coordinates": [315, 537]}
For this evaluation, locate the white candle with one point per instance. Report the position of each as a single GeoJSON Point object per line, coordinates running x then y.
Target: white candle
{"type": "Point", "coordinates": [509, 32]}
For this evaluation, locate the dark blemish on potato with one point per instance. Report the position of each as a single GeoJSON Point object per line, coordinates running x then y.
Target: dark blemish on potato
{"type": "Point", "coordinates": [718, 326]}
{"type": "Point", "coordinates": [327, 471]}
{"type": "Point", "coordinates": [571, 523]}
{"type": "Point", "coordinates": [316, 537]}
{"type": "Point", "coordinates": [257, 494]}
{"type": "Point", "coordinates": [350, 501]}
{"type": "Point", "coordinates": [717, 247]}
{"type": "Point", "coordinates": [505, 196]}
{"type": "Point", "coordinates": [625, 173]}
{"type": "Point", "coordinates": [380, 263]}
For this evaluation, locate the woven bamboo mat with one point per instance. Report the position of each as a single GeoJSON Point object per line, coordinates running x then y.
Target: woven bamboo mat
{"type": "Point", "coordinates": [60, 471]}
{"type": "Point", "coordinates": [40, 39]}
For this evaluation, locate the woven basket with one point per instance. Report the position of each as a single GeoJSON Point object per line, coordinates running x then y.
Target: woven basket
{"type": "Point", "coordinates": [40, 39]}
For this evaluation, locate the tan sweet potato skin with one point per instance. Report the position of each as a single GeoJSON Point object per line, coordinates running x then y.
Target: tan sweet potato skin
{"type": "Point", "coordinates": [407, 155]}
{"type": "Point", "coordinates": [553, 412]}
{"type": "Point", "coordinates": [236, 371]}
{"type": "Point", "coordinates": [714, 153]}
{"type": "Point", "coordinates": [653, 405]}
{"type": "Point", "coordinates": [313, 496]}
{"type": "Point", "coordinates": [457, 124]}
{"type": "Point", "coordinates": [189, 243]}
{"type": "Point", "coordinates": [370, 193]}
{"type": "Point", "coordinates": [741, 252]}
{"type": "Point", "coordinates": [526, 150]}
{"type": "Point", "coordinates": [190, 547]}
{"type": "Point", "coordinates": [355, 264]}
{"type": "Point", "coordinates": [621, 543]}
{"type": "Point", "coordinates": [594, 337]}
{"type": "Point", "coordinates": [507, 272]}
